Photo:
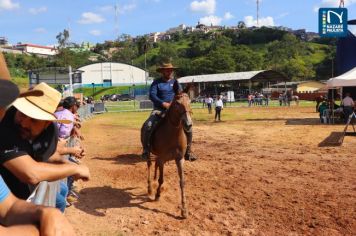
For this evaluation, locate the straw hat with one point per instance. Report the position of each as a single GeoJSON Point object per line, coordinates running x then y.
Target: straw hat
{"type": "Point", "coordinates": [8, 90]}
{"type": "Point", "coordinates": [164, 66]}
{"type": "Point", "coordinates": [43, 107]}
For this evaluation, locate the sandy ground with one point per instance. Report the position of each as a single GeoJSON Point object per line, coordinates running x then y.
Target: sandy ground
{"type": "Point", "coordinates": [260, 176]}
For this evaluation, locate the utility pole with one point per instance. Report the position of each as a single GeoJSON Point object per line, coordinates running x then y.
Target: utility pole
{"type": "Point", "coordinates": [116, 7]}
{"type": "Point", "coordinates": [70, 81]}
{"type": "Point", "coordinates": [258, 12]}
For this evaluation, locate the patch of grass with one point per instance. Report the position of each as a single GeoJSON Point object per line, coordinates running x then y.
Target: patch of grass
{"type": "Point", "coordinates": [21, 82]}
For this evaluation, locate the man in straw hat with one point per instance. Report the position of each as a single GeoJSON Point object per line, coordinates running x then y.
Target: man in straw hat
{"type": "Point", "coordinates": [30, 139]}
{"type": "Point", "coordinates": [20, 217]}
{"type": "Point", "coordinates": [162, 94]}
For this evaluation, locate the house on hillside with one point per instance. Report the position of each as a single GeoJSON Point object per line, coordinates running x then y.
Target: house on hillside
{"type": "Point", "coordinates": [36, 49]}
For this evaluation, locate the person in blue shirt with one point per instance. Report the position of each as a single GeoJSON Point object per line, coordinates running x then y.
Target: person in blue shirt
{"type": "Point", "coordinates": [161, 94]}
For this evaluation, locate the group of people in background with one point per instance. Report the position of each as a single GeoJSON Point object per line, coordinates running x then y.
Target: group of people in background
{"type": "Point", "coordinates": [218, 103]}
{"type": "Point", "coordinates": [287, 97]}
{"type": "Point", "coordinates": [258, 99]}
{"type": "Point", "coordinates": [325, 106]}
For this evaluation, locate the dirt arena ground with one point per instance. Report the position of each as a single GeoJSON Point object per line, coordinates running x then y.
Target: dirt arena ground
{"type": "Point", "coordinates": [261, 172]}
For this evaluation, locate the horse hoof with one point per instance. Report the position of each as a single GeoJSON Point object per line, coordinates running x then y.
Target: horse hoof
{"type": "Point", "coordinates": [184, 214]}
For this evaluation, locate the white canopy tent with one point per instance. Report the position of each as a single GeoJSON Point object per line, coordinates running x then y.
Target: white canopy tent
{"type": "Point", "coordinates": [347, 79]}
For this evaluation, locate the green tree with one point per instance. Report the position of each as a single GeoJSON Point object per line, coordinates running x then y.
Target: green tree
{"type": "Point", "coordinates": [246, 59]}
{"type": "Point", "coordinates": [62, 38]}
{"type": "Point", "coordinates": [221, 61]}
{"type": "Point", "coordinates": [167, 52]}
{"type": "Point", "coordinates": [201, 66]}
{"type": "Point", "coordinates": [125, 55]}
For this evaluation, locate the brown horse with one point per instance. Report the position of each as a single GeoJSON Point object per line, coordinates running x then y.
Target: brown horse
{"type": "Point", "coordinates": [169, 143]}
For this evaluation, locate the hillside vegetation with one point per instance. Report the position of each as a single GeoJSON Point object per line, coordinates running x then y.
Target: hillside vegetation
{"type": "Point", "coordinates": [199, 53]}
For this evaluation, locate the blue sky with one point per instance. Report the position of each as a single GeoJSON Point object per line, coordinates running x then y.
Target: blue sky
{"type": "Point", "coordinates": [39, 21]}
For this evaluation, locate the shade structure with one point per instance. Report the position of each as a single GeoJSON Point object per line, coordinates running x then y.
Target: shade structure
{"type": "Point", "coordinates": [253, 76]}
{"type": "Point", "coordinates": [347, 79]}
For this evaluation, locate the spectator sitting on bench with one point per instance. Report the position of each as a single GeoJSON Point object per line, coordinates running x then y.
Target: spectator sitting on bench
{"type": "Point", "coordinates": [29, 140]}
{"type": "Point", "coordinates": [322, 107]}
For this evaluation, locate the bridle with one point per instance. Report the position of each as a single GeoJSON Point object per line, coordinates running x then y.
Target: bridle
{"type": "Point", "coordinates": [180, 114]}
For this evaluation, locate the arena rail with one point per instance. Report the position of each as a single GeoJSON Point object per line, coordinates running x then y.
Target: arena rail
{"type": "Point", "coordinates": [45, 192]}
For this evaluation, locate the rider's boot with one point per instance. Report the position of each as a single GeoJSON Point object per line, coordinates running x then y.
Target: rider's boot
{"type": "Point", "coordinates": [188, 153]}
{"type": "Point", "coordinates": [146, 143]}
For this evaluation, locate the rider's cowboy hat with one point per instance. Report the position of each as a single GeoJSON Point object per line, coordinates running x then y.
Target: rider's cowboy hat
{"type": "Point", "coordinates": [164, 66]}
{"type": "Point", "coordinates": [8, 90]}
{"type": "Point", "coordinates": [43, 107]}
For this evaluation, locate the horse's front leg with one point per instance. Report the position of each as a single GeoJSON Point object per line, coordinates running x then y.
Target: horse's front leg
{"type": "Point", "coordinates": [180, 162]}
{"type": "Point", "coordinates": [160, 179]}
{"type": "Point", "coordinates": [149, 184]}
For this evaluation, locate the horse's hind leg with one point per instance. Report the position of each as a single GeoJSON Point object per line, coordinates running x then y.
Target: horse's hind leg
{"type": "Point", "coordinates": [149, 185]}
{"type": "Point", "coordinates": [179, 163]}
{"type": "Point", "coordinates": [160, 179]}
{"type": "Point", "coordinates": [156, 168]}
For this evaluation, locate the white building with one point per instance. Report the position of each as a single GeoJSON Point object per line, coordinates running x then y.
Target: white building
{"type": "Point", "coordinates": [179, 28]}
{"type": "Point", "coordinates": [36, 49]}
{"type": "Point", "coordinates": [112, 74]}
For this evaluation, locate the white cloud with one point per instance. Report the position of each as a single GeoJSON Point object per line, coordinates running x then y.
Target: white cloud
{"type": "Point", "coordinates": [40, 30]}
{"type": "Point", "coordinates": [333, 3]}
{"type": "Point", "coordinates": [228, 16]}
{"type": "Point", "coordinates": [266, 21]}
{"type": "Point", "coordinates": [205, 6]}
{"type": "Point", "coordinates": [95, 32]}
{"type": "Point", "coordinates": [8, 5]}
{"type": "Point", "coordinates": [36, 11]}
{"type": "Point", "coordinates": [90, 18]}
{"type": "Point", "coordinates": [208, 20]}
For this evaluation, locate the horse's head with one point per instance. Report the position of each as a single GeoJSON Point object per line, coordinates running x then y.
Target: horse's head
{"type": "Point", "coordinates": [182, 110]}
{"type": "Point", "coordinates": [181, 107]}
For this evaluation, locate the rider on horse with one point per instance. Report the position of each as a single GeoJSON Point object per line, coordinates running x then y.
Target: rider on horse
{"type": "Point", "coordinates": [162, 94]}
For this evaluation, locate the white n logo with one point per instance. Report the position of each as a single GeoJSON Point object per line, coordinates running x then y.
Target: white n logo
{"type": "Point", "coordinates": [335, 13]}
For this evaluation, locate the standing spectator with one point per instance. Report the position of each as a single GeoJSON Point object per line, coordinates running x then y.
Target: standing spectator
{"type": "Point", "coordinates": [209, 103]}
{"type": "Point", "coordinates": [267, 98]}
{"type": "Point", "coordinates": [288, 98]}
{"type": "Point", "coordinates": [280, 99]}
{"type": "Point", "coordinates": [348, 106]}
{"type": "Point", "coordinates": [319, 100]}
{"type": "Point", "coordinates": [218, 107]}
{"type": "Point", "coordinates": [224, 99]}
{"type": "Point", "coordinates": [70, 108]}
{"type": "Point", "coordinates": [250, 100]}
